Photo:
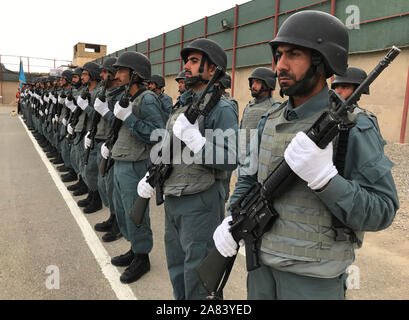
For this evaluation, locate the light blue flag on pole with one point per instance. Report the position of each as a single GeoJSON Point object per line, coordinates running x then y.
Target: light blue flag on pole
{"type": "Point", "coordinates": [22, 77]}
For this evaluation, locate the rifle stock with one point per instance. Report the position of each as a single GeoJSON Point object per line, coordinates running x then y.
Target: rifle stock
{"type": "Point", "coordinates": [256, 205]}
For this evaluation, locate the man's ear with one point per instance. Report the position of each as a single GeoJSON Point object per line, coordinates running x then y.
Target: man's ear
{"type": "Point", "coordinates": [212, 69]}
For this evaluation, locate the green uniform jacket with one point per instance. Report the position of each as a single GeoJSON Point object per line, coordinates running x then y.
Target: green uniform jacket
{"type": "Point", "coordinates": [365, 198]}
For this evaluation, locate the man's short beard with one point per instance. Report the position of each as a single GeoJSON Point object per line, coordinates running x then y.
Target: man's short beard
{"type": "Point", "coordinates": [302, 87]}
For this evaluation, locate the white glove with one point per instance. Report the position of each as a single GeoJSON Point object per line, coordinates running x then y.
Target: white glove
{"type": "Point", "coordinates": [145, 190]}
{"type": "Point", "coordinates": [224, 241]}
{"type": "Point", "coordinates": [101, 107]}
{"type": "Point", "coordinates": [53, 99]}
{"type": "Point", "coordinates": [70, 104]}
{"type": "Point", "coordinates": [189, 133]}
{"type": "Point", "coordinates": [61, 100]}
{"type": "Point", "coordinates": [87, 141]}
{"type": "Point", "coordinates": [64, 121]}
{"type": "Point", "coordinates": [104, 151]}
{"type": "Point", "coordinates": [56, 118]}
{"type": "Point", "coordinates": [41, 101]}
{"type": "Point", "coordinates": [46, 99]}
{"type": "Point", "coordinates": [70, 129]}
{"type": "Point", "coordinates": [41, 113]}
{"type": "Point", "coordinates": [53, 121]}
{"type": "Point", "coordinates": [122, 113]}
{"type": "Point", "coordinates": [46, 111]}
{"type": "Point", "coordinates": [82, 103]}
{"type": "Point", "coordinates": [309, 162]}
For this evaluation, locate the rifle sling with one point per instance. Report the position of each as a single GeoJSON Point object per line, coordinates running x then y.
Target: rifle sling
{"type": "Point", "coordinates": [341, 152]}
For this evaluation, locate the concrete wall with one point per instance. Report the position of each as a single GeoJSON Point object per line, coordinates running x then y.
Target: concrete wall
{"type": "Point", "coordinates": [387, 91]}
{"type": "Point", "coordinates": [8, 92]}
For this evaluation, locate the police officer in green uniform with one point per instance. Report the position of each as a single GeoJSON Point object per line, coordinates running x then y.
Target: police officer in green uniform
{"type": "Point", "coordinates": [131, 152]}
{"type": "Point", "coordinates": [346, 84]}
{"type": "Point", "coordinates": [157, 85]}
{"type": "Point", "coordinates": [303, 256]}
{"type": "Point", "coordinates": [194, 193]}
{"type": "Point", "coordinates": [180, 79]}
{"type": "Point", "coordinates": [262, 82]}
{"type": "Point", "coordinates": [73, 93]}
{"type": "Point", "coordinates": [105, 107]}
{"type": "Point", "coordinates": [90, 74]}
{"type": "Point", "coordinates": [61, 118]}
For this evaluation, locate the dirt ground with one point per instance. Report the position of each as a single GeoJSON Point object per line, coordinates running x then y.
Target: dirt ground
{"type": "Point", "coordinates": [383, 261]}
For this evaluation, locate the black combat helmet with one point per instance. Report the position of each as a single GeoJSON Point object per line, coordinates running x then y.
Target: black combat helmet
{"type": "Point", "coordinates": [77, 71]}
{"type": "Point", "coordinates": [67, 75]}
{"type": "Point", "coordinates": [159, 80]}
{"type": "Point", "coordinates": [135, 61]}
{"type": "Point", "coordinates": [211, 49]}
{"type": "Point", "coordinates": [225, 81]}
{"type": "Point", "coordinates": [181, 76]}
{"type": "Point", "coordinates": [318, 31]}
{"type": "Point", "coordinates": [109, 64]}
{"type": "Point", "coordinates": [353, 76]}
{"type": "Point", "coordinates": [93, 69]}
{"type": "Point", "coordinates": [265, 74]}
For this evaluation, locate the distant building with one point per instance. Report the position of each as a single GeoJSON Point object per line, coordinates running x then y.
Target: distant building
{"type": "Point", "coordinates": [84, 52]}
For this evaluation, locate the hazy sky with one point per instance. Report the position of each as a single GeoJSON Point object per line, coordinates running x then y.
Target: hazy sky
{"type": "Point", "coordinates": [50, 29]}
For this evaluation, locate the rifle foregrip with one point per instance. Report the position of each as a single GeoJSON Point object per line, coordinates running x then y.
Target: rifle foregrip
{"type": "Point", "coordinates": [138, 209]}
{"type": "Point", "coordinates": [86, 157]}
{"type": "Point", "coordinates": [212, 269]}
{"type": "Point", "coordinates": [159, 195]}
{"type": "Point", "coordinates": [103, 167]}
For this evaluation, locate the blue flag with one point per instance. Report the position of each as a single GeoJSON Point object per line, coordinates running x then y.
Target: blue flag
{"type": "Point", "coordinates": [22, 77]}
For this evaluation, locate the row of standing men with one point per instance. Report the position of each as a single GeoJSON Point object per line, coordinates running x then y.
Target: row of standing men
{"type": "Point", "coordinates": [89, 122]}
{"type": "Point", "coordinates": [73, 116]}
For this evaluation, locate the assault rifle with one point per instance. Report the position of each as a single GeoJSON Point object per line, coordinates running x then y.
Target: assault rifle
{"type": "Point", "coordinates": [94, 126]}
{"type": "Point", "coordinates": [106, 164]}
{"type": "Point", "coordinates": [158, 173]}
{"type": "Point", "coordinates": [253, 214]}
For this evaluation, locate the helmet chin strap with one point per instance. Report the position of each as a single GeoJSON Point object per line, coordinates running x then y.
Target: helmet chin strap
{"type": "Point", "coordinates": [263, 88]}
{"type": "Point", "coordinates": [77, 85]}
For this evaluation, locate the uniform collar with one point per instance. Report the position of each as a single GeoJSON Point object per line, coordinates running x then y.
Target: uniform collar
{"type": "Point", "coordinates": [308, 108]}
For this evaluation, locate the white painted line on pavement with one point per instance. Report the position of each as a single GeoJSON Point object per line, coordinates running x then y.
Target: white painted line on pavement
{"type": "Point", "coordinates": [122, 291]}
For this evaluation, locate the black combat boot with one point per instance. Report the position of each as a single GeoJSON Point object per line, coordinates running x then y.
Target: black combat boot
{"type": "Point", "coordinates": [113, 234]}
{"type": "Point", "coordinates": [138, 267]}
{"type": "Point", "coordinates": [63, 168]}
{"type": "Point", "coordinates": [52, 154]}
{"type": "Point", "coordinates": [123, 260]}
{"type": "Point", "coordinates": [84, 202]}
{"type": "Point", "coordinates": [77, 185]}
{"type": "Point", "coordinates": [105, 225]}
{"type": "Point", "coordinates": [95, 204]}
{"type": "Point", "coordinates": [69, 177]}
{"type": "Point", "coordinates": [58, 160]}
{"type": "Point", "coordinates": [81, 190]}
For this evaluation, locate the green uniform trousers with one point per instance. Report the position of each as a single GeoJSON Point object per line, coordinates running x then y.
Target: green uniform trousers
{"type": "Point", "coordinates": [105, 184]}
{"type": "Point", "coordinates": [266, 283]}
{"type": "Point", "coordinates": [126, 178]}
{"type": "Point", "coordinates": [190, 222]}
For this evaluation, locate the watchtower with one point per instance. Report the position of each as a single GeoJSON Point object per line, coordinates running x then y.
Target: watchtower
{"type": "Point", "coordinates": [84, 52]}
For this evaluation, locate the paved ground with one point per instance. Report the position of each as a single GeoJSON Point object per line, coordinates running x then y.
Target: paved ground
{"type": "Point", "coordinates": [41, 233]}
